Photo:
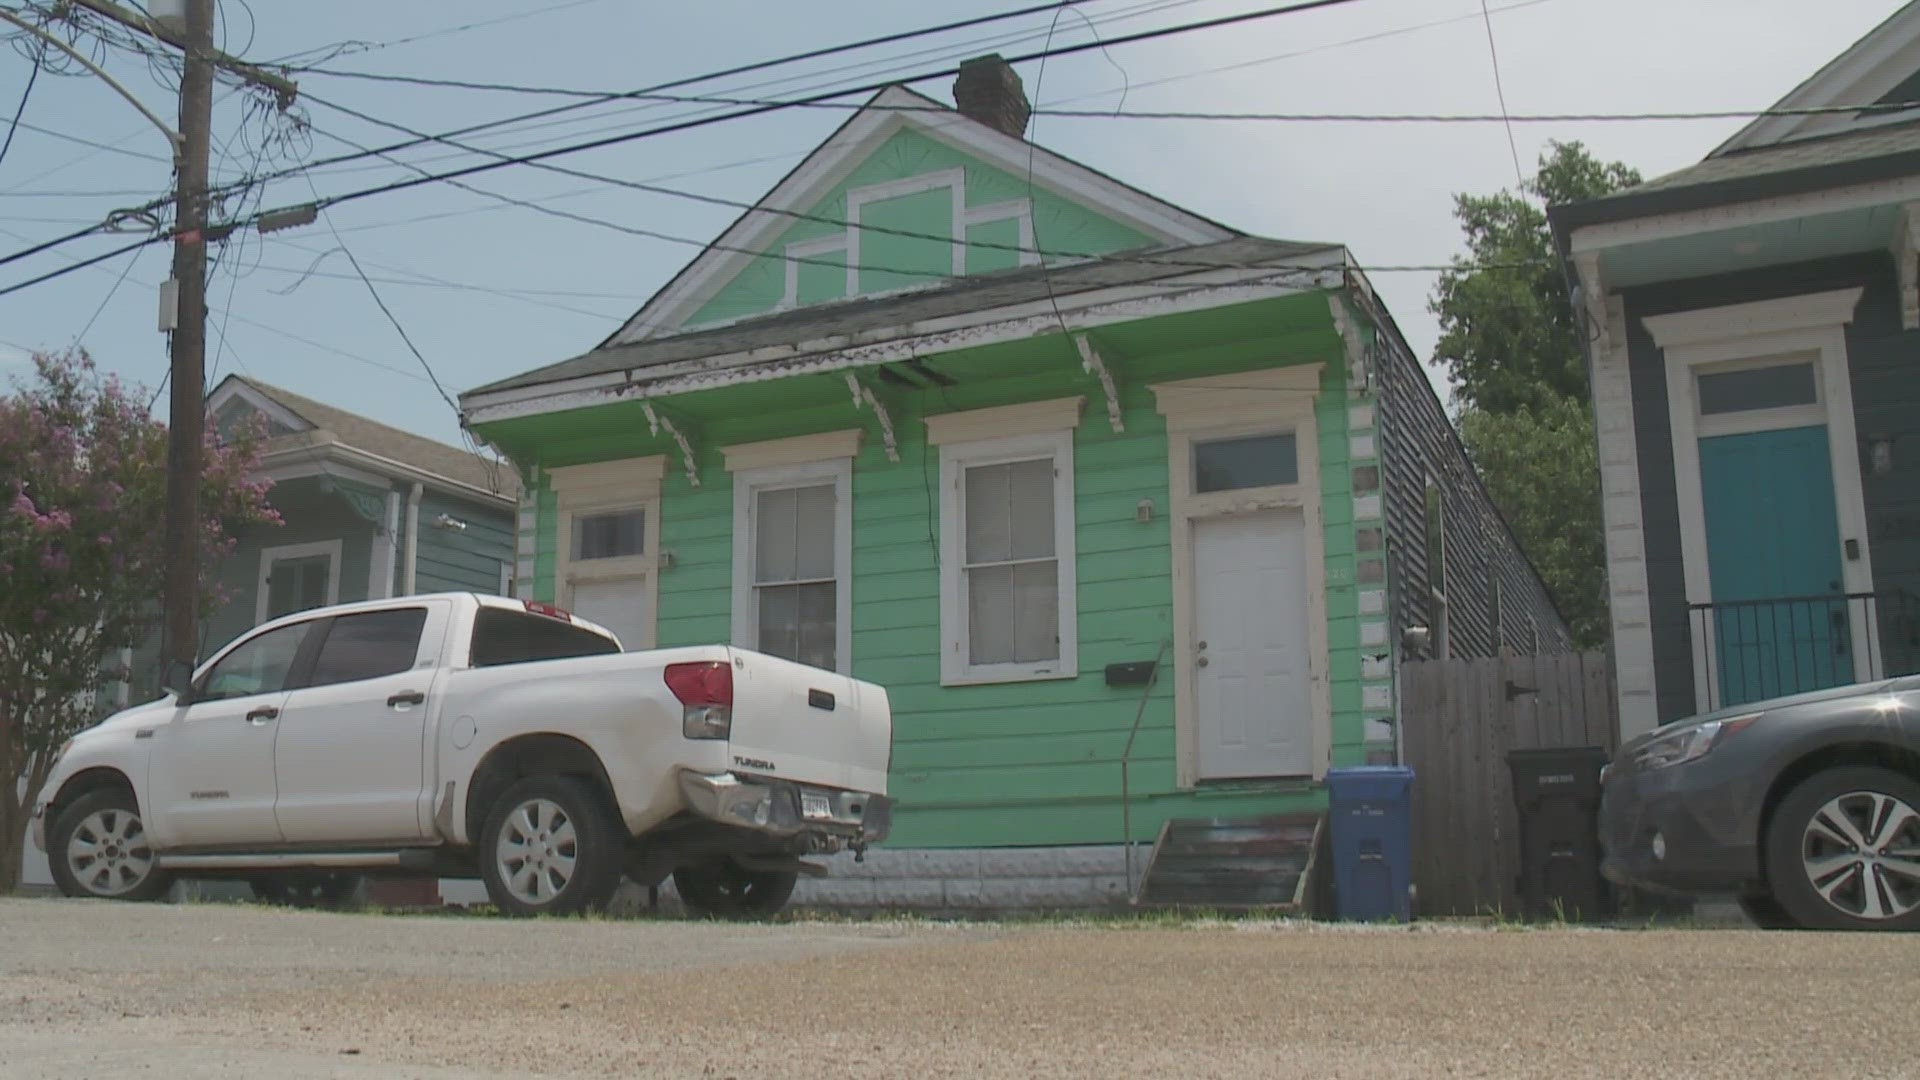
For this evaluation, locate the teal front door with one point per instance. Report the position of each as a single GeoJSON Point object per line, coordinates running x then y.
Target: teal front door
{"type": "Point", "coordinates": [1780, 613]}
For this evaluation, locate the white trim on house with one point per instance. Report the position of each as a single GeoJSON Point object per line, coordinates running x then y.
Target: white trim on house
{"type": "Point", "coordinates": [748, 485]}
{"type": "Point", "coordinates": [231, 388]}
{"type": "Point", "coordinates": [1006, 421]}
{"type": "Point", "coordinates": [609, 487]}
{"type": "Point", "coordinates": [1679, 223]}
{"type": "Point", "coordinates": [954, 180]}
{"type": "Point", "coordinates": [1270, 401]}
{"type": "Point", "coordinates": [389, 541]}
{"type": "Point", "coordinates": [271, 555]}
{"type": "Point", "coordinates": [1631, 613]}
{"type": "Point", "coordinates": [322, 454]}
{"type": "Point", "coordinates": [1810, 327]}
{"type": "Point", "coordinates": [1871, 66]}
{"type": "Point", "coordinates": [840, 352]}
{"type": "Point", "coordinates": [410, 559]}
{"type": "Point", "coordinates": [834, 160]}
{"type": "Point", "coordinates": [956, 665]}
{"type": "Point", "coordinates": [799, 450]}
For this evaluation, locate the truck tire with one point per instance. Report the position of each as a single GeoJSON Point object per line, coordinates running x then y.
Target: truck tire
{"type": "Point", "coordinates": [723, 889]}
{"type": "Point", "coordinates": [305, 888]}
{"type": "Point", "coordinates": [553, 845]}
{"type": "Point", "coordinates": [97, 849]}
{"type": "Point", "coordinates": [1842, 850]}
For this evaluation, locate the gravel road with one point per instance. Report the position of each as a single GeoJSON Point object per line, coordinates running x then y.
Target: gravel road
{"type": "Point", "coordinates": [103, 990]}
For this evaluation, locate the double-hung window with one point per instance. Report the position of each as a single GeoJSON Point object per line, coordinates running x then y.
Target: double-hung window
{"type": "Point", "coordinates": [1007, 559]}
{"type": "Point", "coordinates": [793, 556]}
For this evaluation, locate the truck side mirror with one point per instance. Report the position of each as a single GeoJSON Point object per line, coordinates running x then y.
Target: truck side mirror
{"type": "Point", "coordinates": [177, 679]}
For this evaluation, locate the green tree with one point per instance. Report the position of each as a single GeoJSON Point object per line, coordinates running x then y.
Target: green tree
{"type": "Point", "coordinates": [1543, 471]}
{"type": "Point", "coordinates": [1509, 338]}
{"type": "Point", "coordinates": [1511, 346]}
{"type": "Point", "coordinates": [82, 491]}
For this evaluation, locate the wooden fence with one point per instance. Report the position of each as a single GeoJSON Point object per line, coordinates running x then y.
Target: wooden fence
{"type": "Point", "coordinates": [1461, 717]}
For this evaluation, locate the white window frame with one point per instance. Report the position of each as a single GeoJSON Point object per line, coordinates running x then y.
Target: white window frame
{"type": "Point", "coordinates": [605, 488]}
{"type": "Point", "coordinates": [1267, 402]}
{"type": "Point", "coordinates": [748, 485]}
{"type": "Point", "coordinates": [1765, 333]}
{"type": "Point", "coordinates": [1440, 645]}
{"type": "Point", "coordinates": [271, 555]}
{"type": "Point", "coordinates": [997, 437]}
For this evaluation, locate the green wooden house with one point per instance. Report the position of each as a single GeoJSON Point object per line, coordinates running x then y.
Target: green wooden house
{"type": "Point", "coordinates": [1095, 486]}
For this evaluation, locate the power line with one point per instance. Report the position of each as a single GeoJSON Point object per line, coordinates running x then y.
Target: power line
{"type": "Point", "coordinates": [703, 121]}
{"type": "Point", "coordinates": [354, 48]}
{"type": "Point", "coordinates": [1500, 91]}
{"type": "Point", "coordinates": [107, 147]}
{"type": "Point", "coordinates": [32, 77]}
{"type": "Point", "coordinates": [104, 301]}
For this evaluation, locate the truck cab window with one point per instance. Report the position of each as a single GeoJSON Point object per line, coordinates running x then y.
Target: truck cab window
{"type": "Point", "coordinates": [259, 666]}
{"type": "Point", "coordinates": [504, 636]}
{"type": "Point", "coordinates": [368, 646]}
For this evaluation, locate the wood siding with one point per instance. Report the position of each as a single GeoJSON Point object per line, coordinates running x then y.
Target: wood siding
{"type": "Point", "coordinates": [1419, 444]}
{"type": "Point", "coordinates": [1881, 363]}
{"type": "Point", "coordinates": [461, 560]}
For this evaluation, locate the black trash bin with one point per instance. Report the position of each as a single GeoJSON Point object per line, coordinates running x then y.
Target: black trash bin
{"type": "Point", "coordinates": [1558, 793]}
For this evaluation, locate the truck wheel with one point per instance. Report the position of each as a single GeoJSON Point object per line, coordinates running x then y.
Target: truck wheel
{"type": "Point", "coordinates": [305, 888]}
{"type": "Point", "coordinates": [1843, 851]}
{"type": "Point", "coordinates": [552, 846]}
{"type": "Point", "coordinates": [723, 889]}
{"type": "Point", "coordinates": [99, 850]}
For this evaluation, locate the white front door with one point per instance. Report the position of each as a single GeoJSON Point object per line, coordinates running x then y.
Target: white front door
{"type": "Point", "coordinates": [1254, 694]}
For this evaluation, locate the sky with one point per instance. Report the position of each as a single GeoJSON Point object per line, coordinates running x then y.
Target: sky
{"type": "Point", "coordinates": [485, 289]}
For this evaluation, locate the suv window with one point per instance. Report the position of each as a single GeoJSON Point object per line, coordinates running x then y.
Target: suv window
{"type": "Point", "coordinates": [368, 646]}
{"type": "Point", "coordinates": [258, 666]}
{"type": "Point", "coordinates": [501, 636]}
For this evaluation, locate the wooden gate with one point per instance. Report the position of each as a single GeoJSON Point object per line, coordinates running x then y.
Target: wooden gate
{"type": "Point", "coordinates": [1461, 717]}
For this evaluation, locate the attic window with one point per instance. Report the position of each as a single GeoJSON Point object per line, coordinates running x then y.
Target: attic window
{"type": "Point", "coordinates": [908, 234]}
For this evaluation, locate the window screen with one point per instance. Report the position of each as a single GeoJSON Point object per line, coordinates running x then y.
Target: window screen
{"type": "Point", "coordinates": [369, 646]}
{"type": "Point", "coordinates": [501, 636]}
{"type": "Point", "coordinates": [795, 588]}
{"type": "Point", "coordinates": [1251, 461]}
{"type": "Point", "coordinates": [1757, 388]}
{"type": "Point", "coordinates": [1011, 568]}
{"type": "Point", "coordinates": [609, 536]}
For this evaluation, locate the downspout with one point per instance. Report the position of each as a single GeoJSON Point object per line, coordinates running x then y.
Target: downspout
{"type": "Point", "coordinates": [413, 538]}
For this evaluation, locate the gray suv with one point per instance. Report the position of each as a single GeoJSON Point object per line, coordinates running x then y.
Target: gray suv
{"type": "Point", "coordinates": [1807, 807]}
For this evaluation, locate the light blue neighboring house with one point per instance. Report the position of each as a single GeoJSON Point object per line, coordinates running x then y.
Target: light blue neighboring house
{"type": "Point", "coordinates": [370, 512]}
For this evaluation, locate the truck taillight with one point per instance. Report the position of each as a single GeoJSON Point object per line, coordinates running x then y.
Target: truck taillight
{"type": "Point", "coordinates": [705, 691]}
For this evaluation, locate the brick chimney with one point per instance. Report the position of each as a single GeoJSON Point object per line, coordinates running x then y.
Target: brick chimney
{"type": "Point", "coordinates": [989, 90]}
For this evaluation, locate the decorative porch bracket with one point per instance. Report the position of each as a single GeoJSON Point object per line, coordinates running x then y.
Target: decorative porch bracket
{"type": "Point", "coordinates": [863, 395]}
{"type": "Point", "coordinates": [1906, 256]}
{"type": "Point", "coordinates": [655, 422]}
{"type": "Point", "coordinates": [1091, 362]}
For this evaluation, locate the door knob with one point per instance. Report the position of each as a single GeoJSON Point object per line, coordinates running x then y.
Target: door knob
{"type": "Point", "coordinates": [1202, 647]}
{"type": "Point", "coordinates": [406, 697]}
{"type": "Point", "coordinates": [1202, 662]}
{"type": "Point", "coordinates": [262, 715]}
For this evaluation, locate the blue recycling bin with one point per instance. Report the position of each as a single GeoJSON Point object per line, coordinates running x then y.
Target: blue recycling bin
{"type": "Point", "coordinates": [1371, 814]}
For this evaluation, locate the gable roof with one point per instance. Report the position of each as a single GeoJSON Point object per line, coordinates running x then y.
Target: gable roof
{"type": "Point", "coordinates": [313, 421]}
{"type": "Point", "coordinates": [886, 113]}
{"type": "Point", "coordinates": [1879, 68]}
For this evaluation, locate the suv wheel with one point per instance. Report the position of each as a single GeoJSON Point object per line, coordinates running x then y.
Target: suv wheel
{"type": "Point", "coordinates": [1843, 851]}
{"type": "Point", "coordinates": [99, 850]}
{"type": "Point", "coordinates": [723, 889]}
{"type": "Point", "coordinates": [552, 846]}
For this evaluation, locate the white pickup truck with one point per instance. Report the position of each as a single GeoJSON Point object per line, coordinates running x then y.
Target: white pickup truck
{"type": "Point", "coordinates": [466, 735]}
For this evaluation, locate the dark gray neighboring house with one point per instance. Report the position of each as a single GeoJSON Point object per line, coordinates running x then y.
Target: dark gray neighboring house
{"type": "Point", "coordinates": [1754, 341]}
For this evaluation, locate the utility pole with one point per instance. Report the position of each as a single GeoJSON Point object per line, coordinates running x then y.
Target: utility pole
{"type": "Point", "coordinates": [187, 404]}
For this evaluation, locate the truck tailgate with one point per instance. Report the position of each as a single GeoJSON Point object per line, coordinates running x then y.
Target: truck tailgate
{"type": "Point", "coordinates": [810, 726]}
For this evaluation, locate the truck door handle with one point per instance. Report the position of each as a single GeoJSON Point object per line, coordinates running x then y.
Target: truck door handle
{"type": "Point", "coordinates": [261, 715]}
{"type": "Point", "coordinates": [406, 697]}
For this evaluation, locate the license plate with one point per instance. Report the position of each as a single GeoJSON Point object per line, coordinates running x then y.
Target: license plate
{"type": "Point", "coordinates": [815, 806]}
